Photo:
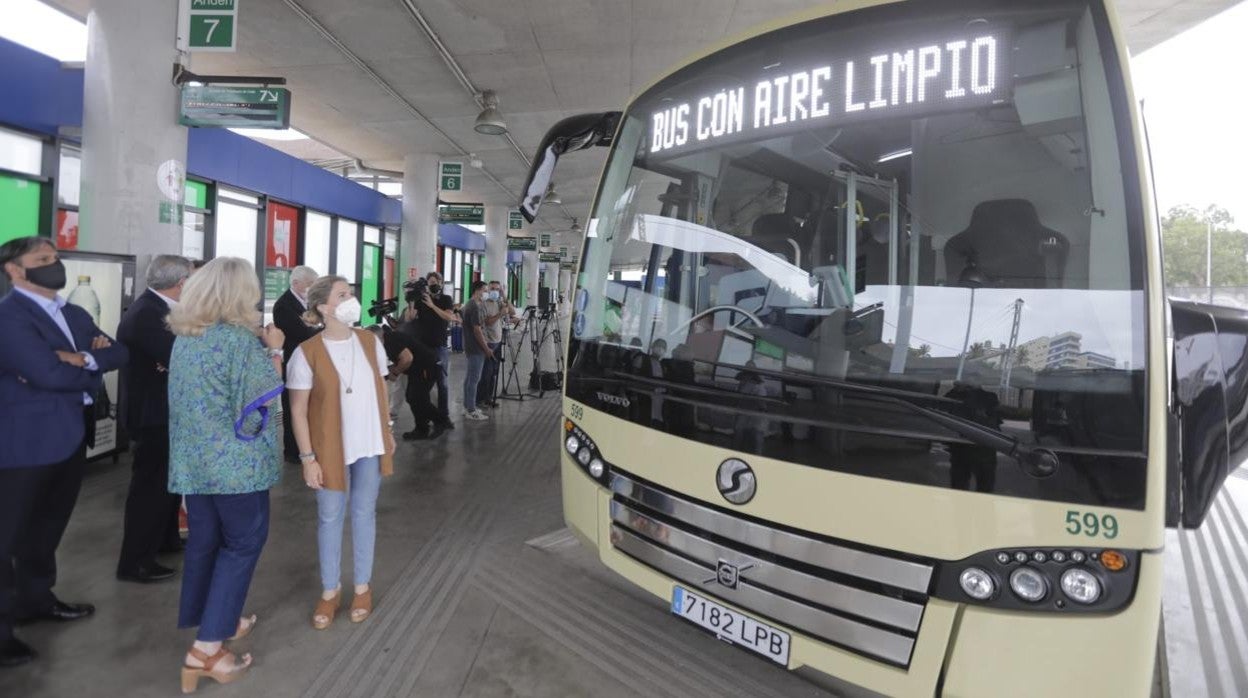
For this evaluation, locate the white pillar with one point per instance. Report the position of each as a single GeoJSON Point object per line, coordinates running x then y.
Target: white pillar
{"type": "Point", "coordinates": [565, 285]}
{"type": "Point", "coordinates": [134, 151]}
{"type": "Point", "coordinates": [496, 244]}
{"type": "Point", "coordinates": [419, 246]}
{"type": "Point", "coordinates": [532, 270]}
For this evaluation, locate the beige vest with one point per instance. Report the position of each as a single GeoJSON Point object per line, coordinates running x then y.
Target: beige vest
{"type": "Point", "coordinates": [325, 408]}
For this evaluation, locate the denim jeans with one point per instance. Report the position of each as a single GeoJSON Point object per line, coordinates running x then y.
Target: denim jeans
{"type": "Point", "coordinates": [227, 533]}
{"type": "Point", "coordinates": [489, 374]}
{"type": "Point", "coordinates": [472, 377]}
{"type": "Point", "coordinates": [363, 483]}
{"type": "Point", "coordinates": [444, 390]}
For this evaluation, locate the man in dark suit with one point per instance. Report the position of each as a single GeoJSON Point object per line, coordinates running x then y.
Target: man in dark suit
{"type": "Point", "coordinates": [150, 508]}
{"type": "Point", "coordinates": [288, 313]}
{"type": "Point", "coordinates": [52, 362]}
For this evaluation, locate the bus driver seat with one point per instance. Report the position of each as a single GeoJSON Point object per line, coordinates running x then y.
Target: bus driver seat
{"type": "Point", "coordinates": [1006, 246]}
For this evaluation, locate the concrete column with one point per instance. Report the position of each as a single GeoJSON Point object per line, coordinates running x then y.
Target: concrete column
{"type": "Point", "coordinates": [496, 244]}
{"type": "Point", "coordinates": [419, 245]}
{"type": "Point", "coordinates": [565, 284]}
{"type": "Point", "coordinates": [134, 151]}
{"type": "Point", "coordinates": [532, 269]}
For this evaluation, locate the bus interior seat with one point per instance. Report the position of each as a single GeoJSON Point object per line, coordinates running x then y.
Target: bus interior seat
{"type": "Point", "coordinates": [1009, 247]}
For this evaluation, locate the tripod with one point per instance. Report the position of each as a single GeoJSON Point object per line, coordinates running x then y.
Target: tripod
{"type": "Point", "coordinates": [549, 318]}
{"type": "Point", "coordinates": [513, 377]}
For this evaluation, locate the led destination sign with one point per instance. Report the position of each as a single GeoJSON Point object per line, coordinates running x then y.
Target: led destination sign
{"type": "Point", "coordinates": [957, 72]}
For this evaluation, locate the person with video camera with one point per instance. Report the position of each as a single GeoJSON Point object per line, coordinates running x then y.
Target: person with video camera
{"type": "Point", "coordinates": [429, 318]}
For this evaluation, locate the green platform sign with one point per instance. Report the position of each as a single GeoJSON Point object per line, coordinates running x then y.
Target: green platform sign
{"type": "Point", "coordinates": [549, 257]}
{"type": "Point", "coordinates": [515, 221]}
{"type": "Point", "coordinates": [210, 25]}
{"type": "Point", "coordinates": [451, 176]}
{"type": "Point", "coordinates": [545, 240]}
{"type": "Point", "coordinates": [472, 214]}
{"type": "Point", "coordinates": [235, 107]}
{"type": "Point", "coordinates": [522, 243]}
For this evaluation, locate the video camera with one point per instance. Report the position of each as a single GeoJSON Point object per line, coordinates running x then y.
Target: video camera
{"type": "Point", "coordinates": [384, 309]}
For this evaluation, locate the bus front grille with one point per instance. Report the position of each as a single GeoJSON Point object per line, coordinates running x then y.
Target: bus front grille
{"type": "Point", "coordinates": [866, 602]}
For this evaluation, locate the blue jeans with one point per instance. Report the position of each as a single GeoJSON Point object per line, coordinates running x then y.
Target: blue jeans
{"type": "Point", "coordinates": [363, 483]}
{"type": "Point", "coordinates": [227, 533]}
{"type": "Point", "coordinates": [444, 389]}
{"type": "Point", "coordinates": [472, 377]}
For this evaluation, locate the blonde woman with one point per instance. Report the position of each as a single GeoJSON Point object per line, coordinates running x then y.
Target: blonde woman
{"type": "Point", "coordinates": [224, 456]}
{"type": "Point", "coordinates": [341, 420]}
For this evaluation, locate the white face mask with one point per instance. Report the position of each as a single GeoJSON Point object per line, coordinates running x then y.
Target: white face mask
{"type": "Point", "coordinates": [348, 312]}
{"type": "Point", "coordinates": [492, 295]}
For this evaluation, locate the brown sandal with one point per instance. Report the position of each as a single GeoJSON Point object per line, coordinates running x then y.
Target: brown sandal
{"type": "Point", "coordinates": [244, 630]}
{"type": "Point", "coordinates": [192, 674]}
{"type": "Point", "coordinates": [362, 606]}
{"type": "Point", "coordinates": [326, 608]}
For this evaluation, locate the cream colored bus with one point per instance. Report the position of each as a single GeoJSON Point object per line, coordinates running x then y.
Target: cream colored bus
{"type": "Point", "coordinates": [871, 371]}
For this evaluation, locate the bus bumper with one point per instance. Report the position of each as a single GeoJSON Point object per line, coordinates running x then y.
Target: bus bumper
{"type": "Point", "coordinates": [960, 650]}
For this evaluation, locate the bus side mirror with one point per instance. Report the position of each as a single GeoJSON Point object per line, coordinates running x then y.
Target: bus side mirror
{"type": "Point", "coordinates": [1210, 425]}
{"type": "Point", "coordinates": [573, 133]}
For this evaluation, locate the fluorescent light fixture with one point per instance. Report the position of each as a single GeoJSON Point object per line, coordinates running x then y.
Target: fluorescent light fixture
{"type": "Point", "coordinates": [896, 155]}
{"type": "Point", "coordinates": [45, 29]}
{"type": "Point", "coordinates": [271, 134]}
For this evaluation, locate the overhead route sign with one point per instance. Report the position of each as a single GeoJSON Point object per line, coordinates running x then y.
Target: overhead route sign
{"type": "Point", "coordinates": [515, 221]}
{"type": "Point", "coordinates": [451, 176]}
{"type": "Point", "coordinates": [545, 239]}
{"type": "Point", "coordinates": [545, 257]}
{"type": "Point", "coordinates": [208, 25]}
{"type": "Point", "coordinates": [235, 107]}
{"type": "Point", "coordinates": [522, 243]}
{"type": "Point", "coordinates": [472, 214]}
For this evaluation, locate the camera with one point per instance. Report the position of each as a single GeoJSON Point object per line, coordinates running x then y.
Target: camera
{"type": "Point", "coordinates": [381, 308]}
{"type": "Point", "coordinates": [414, 289]}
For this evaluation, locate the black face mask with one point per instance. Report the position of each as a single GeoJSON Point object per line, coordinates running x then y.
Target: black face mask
{"type": "Point", "coordinates": [50, 276]}
{"type": "Point", "coordinates": [434, 289]}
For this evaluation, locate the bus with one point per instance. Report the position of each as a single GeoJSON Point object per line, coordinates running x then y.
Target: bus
{"type": "Point", "coordinates": [871, 370]}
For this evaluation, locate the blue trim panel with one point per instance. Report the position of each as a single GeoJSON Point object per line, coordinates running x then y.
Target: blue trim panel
{"type": "Point", "coordinates": [36, 93]}
{"type": "Point", "coordinates": [459, 237]}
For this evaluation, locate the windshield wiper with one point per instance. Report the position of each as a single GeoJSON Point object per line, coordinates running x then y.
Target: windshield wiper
{"type": "Point", "coordinates": [1035, 461]}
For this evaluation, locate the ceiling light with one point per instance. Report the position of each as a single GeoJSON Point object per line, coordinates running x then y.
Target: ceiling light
{"type": "Point", "coordinates": [475, 161]}
{"type": "Point", "coordinates": [269, 134]}
{"type": "Point", "coordinates": [490, 121]}
{"type": "Point", "coordinates": [896, 154]}
{"type": "Point", "coordinates": [552, 196]}
{"type": "Point", "coordinates": [576, 227]}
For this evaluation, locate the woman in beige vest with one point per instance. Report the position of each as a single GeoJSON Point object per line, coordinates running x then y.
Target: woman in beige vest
{"type": "Point", "coordinates": [341, 421]}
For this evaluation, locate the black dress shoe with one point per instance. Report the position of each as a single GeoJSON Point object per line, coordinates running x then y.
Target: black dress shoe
{"type": "Point", "coordinates": [14, 652]}
{"type": "Point", "coordinates": [60, 611]}
{"type": "Point", "coordinates": [172, 547]}
{"type": "Point", "coordinates": [146, 574]}
{"type": "Point", "coordinates": [416, 435]}
{"type": "Point", "coordinates": [438, 430]}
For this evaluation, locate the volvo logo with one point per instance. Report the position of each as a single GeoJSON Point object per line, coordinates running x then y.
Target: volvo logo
{"type": "Point", "coordinates": [736, 481]}
{"type": "Point", "coordinates": [613, 399]}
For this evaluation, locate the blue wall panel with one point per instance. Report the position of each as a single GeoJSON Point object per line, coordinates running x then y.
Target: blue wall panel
{"type": "Point", "coordinates": [459, 237]}
{"type": "Point", "coordinates": [36, 94]}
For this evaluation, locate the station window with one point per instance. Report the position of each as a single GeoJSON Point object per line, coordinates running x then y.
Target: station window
{"type": "Point", "coordinates": [348, 248]}
{"type": "Point", "coordinates": [21, 153]}
{"type": "Point", "coordinates": [69, 176]}
{"type": "Point", "coordinates": [316, 241]}
{"type": "Point", "coordinates": [195, 220]}
{"type": "Point", "coordinates": [238, 221]}
{"type": "Point", "coordinates": [372, 235]}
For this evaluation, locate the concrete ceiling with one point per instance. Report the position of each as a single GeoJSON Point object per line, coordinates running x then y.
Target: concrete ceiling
{"type": "Point", "coordinates": [546, 59]}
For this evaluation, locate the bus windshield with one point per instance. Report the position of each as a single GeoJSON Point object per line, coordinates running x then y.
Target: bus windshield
{"type": "Point", "coordinates": [807, 244]}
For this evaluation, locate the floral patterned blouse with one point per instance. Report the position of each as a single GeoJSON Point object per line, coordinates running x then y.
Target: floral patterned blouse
{"type": "Point", "coordinates": [212, 378]}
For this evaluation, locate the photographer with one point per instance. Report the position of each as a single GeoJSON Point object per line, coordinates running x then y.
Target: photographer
{"type": "Point", "coordinates": [419, 365]}
{"type": "Point", "coordinates": [429, 317]}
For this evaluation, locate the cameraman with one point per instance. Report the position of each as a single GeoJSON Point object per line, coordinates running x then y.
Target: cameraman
{"type": "Point", "coordinates": [419, 364]}
{"type": "Point", "coordinates": [429, 321]}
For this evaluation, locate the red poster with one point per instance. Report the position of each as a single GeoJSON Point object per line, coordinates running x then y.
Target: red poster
{"type": "Point", "coordinates": [283, 239]}
{"type": "Point", "coordinates": [388, 269]}
{"type": "Point", "coordinates": [67, 230]}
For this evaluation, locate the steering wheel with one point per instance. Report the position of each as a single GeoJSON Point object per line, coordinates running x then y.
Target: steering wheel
{"type": "Point", "coordinates": [718, 309]}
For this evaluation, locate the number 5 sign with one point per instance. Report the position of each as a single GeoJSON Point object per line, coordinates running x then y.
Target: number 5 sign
{"type": "Point", "coordinates": [207, 25]}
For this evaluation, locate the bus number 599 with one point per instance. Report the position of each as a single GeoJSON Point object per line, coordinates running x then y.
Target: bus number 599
{"type": "Point", "coordinates": [1090, 525]}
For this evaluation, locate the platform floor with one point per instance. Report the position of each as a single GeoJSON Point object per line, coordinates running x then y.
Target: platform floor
{"type": "Point", "coordinates": [482, 593]}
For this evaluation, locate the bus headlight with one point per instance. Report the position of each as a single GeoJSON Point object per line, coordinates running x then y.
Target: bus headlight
{"type": "Point", "coordinates": [573, 444]}
{"type": "Point", "coordinates": [977, 583]}
{"type": "Point", "coordinates": [597, 467]}
{"type": "Point", "coordinates": [583, 456]}
{"type": "Point", "coordinates": [581, 447]}
{"type": "Point", "coordinates": [1081, 586]}
{"type": "Point", "coordinates": [1028, 584]}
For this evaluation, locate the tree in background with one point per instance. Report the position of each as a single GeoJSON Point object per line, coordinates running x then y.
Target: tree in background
{"type": "Point", "coordinates": [1183, 238]}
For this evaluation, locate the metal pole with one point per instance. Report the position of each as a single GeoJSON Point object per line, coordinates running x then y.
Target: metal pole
{"type": "Point", "coordinates": [967, 341]}
{"type": "Point", "coordinates": [1209, 257]}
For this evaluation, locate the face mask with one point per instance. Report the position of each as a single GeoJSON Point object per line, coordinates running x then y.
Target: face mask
{"type": "Point", "coordinates": [435, 289]}
{"type": "Point", "coordinates": [492, 295]}
{"type": "Point", "coordinates": [50, 276]}
{"type": "Point", "coordinates": [348, 312]}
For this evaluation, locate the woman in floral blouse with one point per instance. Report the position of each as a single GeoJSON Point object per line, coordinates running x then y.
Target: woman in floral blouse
{"type": "Point", "coordinates": [224, 455]}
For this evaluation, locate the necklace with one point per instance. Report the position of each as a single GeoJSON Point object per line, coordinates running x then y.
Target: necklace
{"type": "Point", "coordinates": [351, 349]}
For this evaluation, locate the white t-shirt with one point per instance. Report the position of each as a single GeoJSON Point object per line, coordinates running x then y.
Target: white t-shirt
{"type": "Point", "coordinates": [361, 428]}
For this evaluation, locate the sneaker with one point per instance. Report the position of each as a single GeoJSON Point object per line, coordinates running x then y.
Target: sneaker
{"type": "Point", "coordinates": [476, 416]}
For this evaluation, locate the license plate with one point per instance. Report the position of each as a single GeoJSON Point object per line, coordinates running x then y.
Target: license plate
{"type": "Point", "coordinates": [731, 626]}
